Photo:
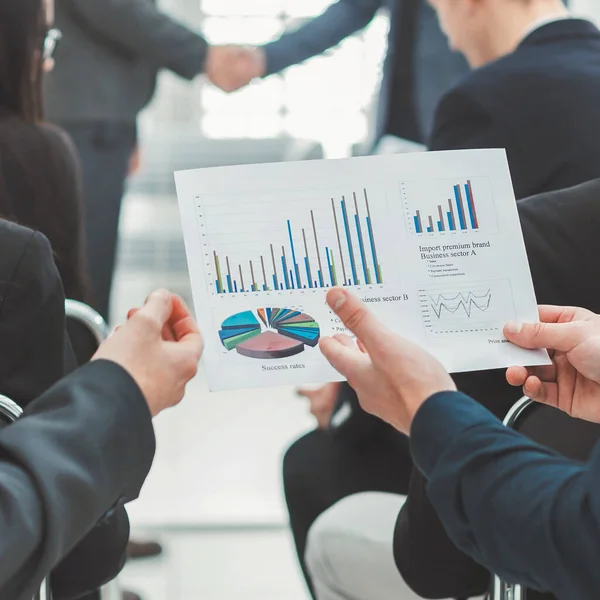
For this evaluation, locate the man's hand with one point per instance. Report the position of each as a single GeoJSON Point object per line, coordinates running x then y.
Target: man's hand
{"type": "Point", "coordinates": [160, 347]}
{"type": "Point", "coordinates": [233, 67]}
{"type": "Point", "coordinates": [572, 382]}
{"type": "Point", "coordinates": [322, 402]}
{"type": "Point", "coordinates": [392, 376]}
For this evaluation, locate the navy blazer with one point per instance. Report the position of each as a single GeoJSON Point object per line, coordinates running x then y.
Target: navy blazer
{"type": "Point", "coordinates": [418, 70]}
{"type": "Point", "coordinates": [520, 509]}
{"type": "Point", "coordinates": [541, 103]}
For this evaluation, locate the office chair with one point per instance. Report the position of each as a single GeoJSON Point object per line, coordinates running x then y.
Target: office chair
{"type": "Point", "coordinates": [576, 441]}
{"type": "Point", "coordinates": [9, 413]}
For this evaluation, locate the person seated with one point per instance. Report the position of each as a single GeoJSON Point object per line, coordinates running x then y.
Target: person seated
{"type": "Point", "coordinates": [366, 455]}
{"type": "Point", "coordinates": [35, 355]}
{"type": "Point", "coordinates": [85, 446]}
{"type": "Point", "coordinates": [40, 188]}
{"type": "Point", "coordinates": [534, 90]}
{"type": "Point", "coordinates": [39, 172]}
{"type": "Point", "coordinates": [519, 508]}
{"type": "Point", "coordinates": [525, 53]}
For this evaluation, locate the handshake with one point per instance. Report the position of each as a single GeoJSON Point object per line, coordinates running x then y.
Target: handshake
{"type": "Point", "coordinates": [232, 67]}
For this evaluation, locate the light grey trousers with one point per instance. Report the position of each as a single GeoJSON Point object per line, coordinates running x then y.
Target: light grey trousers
{"type": "Point", "coordinates": [350, 550]}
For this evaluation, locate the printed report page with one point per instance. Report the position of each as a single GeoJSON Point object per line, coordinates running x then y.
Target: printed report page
{"type": "Point", "coordinates": [431, 242]}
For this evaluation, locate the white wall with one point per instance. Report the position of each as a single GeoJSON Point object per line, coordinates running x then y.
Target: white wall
{"type": "Point", "coordinates": [589, 8]}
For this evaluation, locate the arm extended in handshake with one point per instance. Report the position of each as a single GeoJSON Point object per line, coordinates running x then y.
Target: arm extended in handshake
{"type": "Point", "coordinates": [232, 67]}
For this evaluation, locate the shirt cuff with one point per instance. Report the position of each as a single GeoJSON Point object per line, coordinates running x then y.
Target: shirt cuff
{"type": "Point", "coordinates": [439, 422]}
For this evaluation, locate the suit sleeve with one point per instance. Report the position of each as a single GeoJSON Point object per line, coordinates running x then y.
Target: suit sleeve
{"type": "Point", "coordinates": [139, 27]}
{"type": "Point", "coordinates": [83, 447]}
{"type": "Point", "coordinates": [527, 514]}
{"type": "Point", "coordinates": [340, 20]}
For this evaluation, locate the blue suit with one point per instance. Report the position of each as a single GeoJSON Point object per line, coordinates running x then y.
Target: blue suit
{"type": "Point", "coordinates": [540, 103]}
{"type": "Point", "coordinates": [520, 509]}
{"type": "Point", "coordinates": [418, 70]}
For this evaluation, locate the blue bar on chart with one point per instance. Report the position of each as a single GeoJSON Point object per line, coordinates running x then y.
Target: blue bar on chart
{"type": "Point", "coordinates": [296, 269]}
{"type": "Point", "coordinates": [321, 269]}
{"type": "Point", "coordinates": [349, 241]}
{"type": "Point", "coordinates": [459, 207]}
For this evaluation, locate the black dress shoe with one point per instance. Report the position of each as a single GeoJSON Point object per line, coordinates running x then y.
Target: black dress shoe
{"type": "Point", "coordinates": [143, 549]}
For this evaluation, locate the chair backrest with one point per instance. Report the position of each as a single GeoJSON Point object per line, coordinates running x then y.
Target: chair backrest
{"type": "Point", "coordinates": [86, 328]}
{"type": "Point", "coordinates": [9, 413]}
{"type": "Point", "coordinates": [553, 428]}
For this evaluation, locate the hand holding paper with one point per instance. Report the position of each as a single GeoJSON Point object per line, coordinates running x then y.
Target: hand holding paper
{"type": "Point", "coordinates": [392, 376]}
{"type": "Point", "coordinates": [430, 242]}
{"type": "Point", "coordinates": [572, 382]}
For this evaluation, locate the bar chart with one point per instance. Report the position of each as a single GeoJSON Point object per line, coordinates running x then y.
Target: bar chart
{"type": "Point", "coordinates": [446, 207]}
{"type": "Point", "coordinates": [290, 242]}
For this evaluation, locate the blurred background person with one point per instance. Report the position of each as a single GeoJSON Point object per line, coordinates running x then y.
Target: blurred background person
{"type": "Point", "coordinates": [105, 76]}
{"type": "Point", "coordinates": [419, 67]}
{"type": "Point", "coordinates": [534, 62]}
{"type": "Point", "coordinates": [39, 171]}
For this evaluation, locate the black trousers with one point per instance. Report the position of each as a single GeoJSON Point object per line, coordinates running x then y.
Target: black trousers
{"type": "Point", "coordinates": [105, 149]}
{"type": "Point", "coordinates": [321, 468]}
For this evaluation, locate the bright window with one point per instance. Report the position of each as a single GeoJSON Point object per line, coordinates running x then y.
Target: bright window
{"type": "Point", "coordinates": [329, 96]}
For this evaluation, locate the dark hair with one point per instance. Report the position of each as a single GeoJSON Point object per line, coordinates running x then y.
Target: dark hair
{"type": "Point", "coordinates": [22, 32]}
{"type": "Point", "coordinates": [39, 172]}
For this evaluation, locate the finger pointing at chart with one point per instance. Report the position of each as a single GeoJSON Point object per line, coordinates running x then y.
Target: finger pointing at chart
{"type": "Point", "coordinates": [393, 376]}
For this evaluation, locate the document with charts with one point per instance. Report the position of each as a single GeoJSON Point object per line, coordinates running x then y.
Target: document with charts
{"type": "Point", "coordinates": [430, 241]}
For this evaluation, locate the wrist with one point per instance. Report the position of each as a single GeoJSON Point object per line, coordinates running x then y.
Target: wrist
{"type": "Point", "coordinates": [424, 394]}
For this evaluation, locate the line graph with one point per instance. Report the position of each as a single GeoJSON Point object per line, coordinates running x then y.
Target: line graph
{"type": "Point", "coordinates": [468, 302]}
{"type": "Point", "coordinates": [469, 308]}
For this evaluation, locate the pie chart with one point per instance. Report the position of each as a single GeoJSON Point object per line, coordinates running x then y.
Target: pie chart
{"type": "Point", "coordinates": [269, 333]}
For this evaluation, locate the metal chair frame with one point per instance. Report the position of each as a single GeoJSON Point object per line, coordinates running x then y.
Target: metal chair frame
{"type": "Point", "coordinates": [11, 412]}
{"type": "Point", "coordinates": [89, 318]}
{"type": "Point", "coordinates": [501, 590]}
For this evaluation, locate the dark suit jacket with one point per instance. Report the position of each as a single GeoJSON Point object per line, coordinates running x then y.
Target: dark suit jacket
{"type": "Point", "coordinates": [110, 56]}
{"type": "Point", "coordinates": [83, 447]}
{"type": "Point", "coordinates": [35, 355]}
{"type": "Point", "coordinates": [541, 103]}
{"type": "Point", "coordinates": [528, 514]}
{"type": "Point", "coordinates": [418, 70]}
{"type": "Point", "coordinates": [561, 236]}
